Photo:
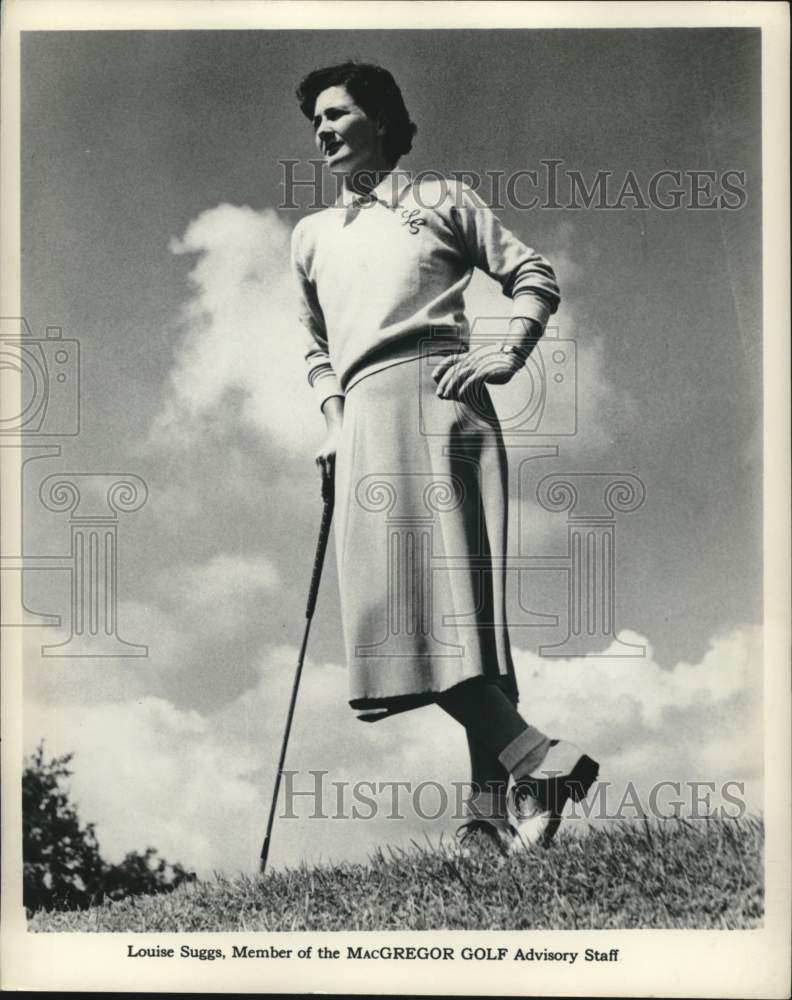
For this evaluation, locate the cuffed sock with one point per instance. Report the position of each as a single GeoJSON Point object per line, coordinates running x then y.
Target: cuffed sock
{"type": "Point", "coordinates": [493, 723]}
{"type": "Point", "coordinates": [525, 752]}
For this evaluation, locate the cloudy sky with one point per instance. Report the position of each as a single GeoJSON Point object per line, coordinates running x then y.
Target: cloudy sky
{"type": "Point", "coordinates": [152, 233]}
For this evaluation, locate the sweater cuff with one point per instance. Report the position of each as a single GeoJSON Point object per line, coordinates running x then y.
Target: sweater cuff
{"type": "Point", "coordinates": [530, 306]}
{"type": "Point", "coordinates": [325, 386]}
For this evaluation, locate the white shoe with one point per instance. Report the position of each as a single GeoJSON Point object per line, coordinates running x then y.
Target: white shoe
{"type": "Point", "coordinates": [536, 803]}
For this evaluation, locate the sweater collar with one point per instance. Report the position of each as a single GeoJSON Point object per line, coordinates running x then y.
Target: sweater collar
{"type": "Point", "coordinates": [388, 192]}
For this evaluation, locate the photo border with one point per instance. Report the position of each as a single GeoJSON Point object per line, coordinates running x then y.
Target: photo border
{"type": "Point", "coordinates": [700, 963]}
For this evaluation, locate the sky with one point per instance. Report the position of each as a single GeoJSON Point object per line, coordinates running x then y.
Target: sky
{"type": "Point", "coordinates": [152, 233]}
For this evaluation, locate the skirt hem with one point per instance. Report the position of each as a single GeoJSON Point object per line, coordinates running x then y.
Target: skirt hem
{"type": "Point", "coordinates": [373, 709]}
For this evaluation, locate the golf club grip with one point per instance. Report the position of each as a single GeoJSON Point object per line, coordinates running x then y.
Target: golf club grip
{"type": "Point", "coordinates": [321, 547]}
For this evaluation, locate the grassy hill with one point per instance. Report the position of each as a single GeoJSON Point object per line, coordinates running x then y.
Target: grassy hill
{"type": "Point", "coordinates": [682, 874]}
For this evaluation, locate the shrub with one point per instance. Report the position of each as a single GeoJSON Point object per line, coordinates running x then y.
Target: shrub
{"type": "Point", "coordinates": [63, 869]}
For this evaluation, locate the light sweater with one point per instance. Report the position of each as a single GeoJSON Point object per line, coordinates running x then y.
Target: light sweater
{"type": "Point", "coordinates": [379, 275]}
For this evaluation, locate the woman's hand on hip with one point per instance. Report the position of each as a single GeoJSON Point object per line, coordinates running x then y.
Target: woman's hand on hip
{"type": "Point", "coordinates": [460, 375]}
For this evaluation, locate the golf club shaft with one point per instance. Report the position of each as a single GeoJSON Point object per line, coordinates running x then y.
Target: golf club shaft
{"type": "Point", "coordinates": [321, 547]}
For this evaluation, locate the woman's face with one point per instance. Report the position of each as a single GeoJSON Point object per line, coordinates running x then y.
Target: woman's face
{"type": "Point", "coordinates": [346, 136]}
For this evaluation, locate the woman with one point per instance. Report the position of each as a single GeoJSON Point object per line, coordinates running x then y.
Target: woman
{"type": "Point", "coordinates": [414, 446]}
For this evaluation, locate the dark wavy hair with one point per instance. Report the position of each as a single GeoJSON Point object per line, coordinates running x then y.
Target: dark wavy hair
{"type": "Point", "coordinates": [374, 90]}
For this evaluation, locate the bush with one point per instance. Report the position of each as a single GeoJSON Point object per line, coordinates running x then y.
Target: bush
{"type": "Point", "coordinates": [63, 869]}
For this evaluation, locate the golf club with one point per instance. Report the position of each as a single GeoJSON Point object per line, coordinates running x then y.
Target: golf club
{"type": "Point", "coordinates": [321, 546]}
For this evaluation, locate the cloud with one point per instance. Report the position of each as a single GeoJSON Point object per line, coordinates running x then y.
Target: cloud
{"type": "Point", "coordinates": [192, 616]}
{"type": "Point", "coordinates": [220, 585]}
{"type": "Point", "coordinates": [153, 775]}
{"type": "Point", "coordinates": [196, 785]}
{"type": "Point", "coordinates": [237, 335]}
{"type": "Point", "coordinates": [697, 721]}
{"type": "Point", "coordinates": [645, 691]}
{"type": "Point", "coordinates": [238, 361]}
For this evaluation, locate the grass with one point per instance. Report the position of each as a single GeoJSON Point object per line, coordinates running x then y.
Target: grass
{"type": "Point", "coordinates": [672, 874]}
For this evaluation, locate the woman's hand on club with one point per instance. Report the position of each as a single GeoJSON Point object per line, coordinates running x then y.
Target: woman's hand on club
{"type": "Point", "coordinates": [458, 376]}
{"type": "Point", "coordinates": [326, 455]}
{"type": "Point", "coordinates": [333, 410]}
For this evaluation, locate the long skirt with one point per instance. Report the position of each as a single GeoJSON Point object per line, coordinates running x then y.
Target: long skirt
{"type": "Point", "coordinates": [420, 529]}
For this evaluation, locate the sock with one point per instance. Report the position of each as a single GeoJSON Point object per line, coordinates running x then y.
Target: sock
{"type": "Point", "coordinates": [492, 721]}
{"type": "Point", "coordinates": [486, 771]}
{"type": "Point", "coordinates": [525, 752]}
{"type": "Point", "coordinates": [485, 711]}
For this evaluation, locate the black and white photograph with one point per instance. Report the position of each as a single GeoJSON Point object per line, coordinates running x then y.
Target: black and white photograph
{"type": "Point", "coordinates": [395, 450]}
